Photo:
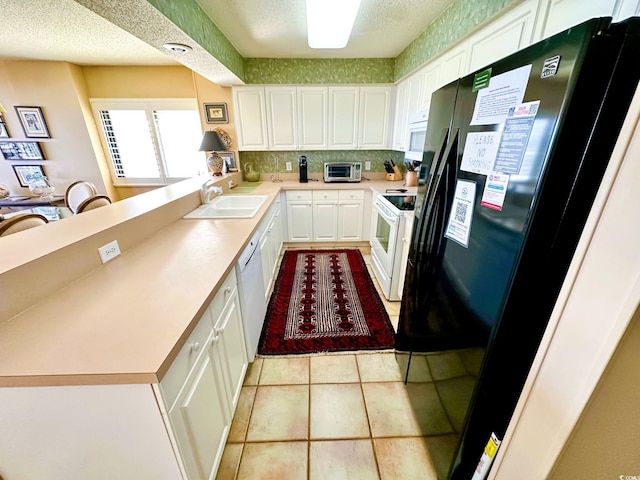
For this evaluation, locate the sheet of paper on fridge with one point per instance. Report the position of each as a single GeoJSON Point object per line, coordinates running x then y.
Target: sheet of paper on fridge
{"type": "Point", "coordinates": [515, 138]}
{"type": "Point", "coordinates": [495, 189]}
{"type": "Point", "coordinates": [480, 150]}
{"type": "Point", "coordinates": [504, 92]}
{"type": "Point", "coordinates": [459, 224]}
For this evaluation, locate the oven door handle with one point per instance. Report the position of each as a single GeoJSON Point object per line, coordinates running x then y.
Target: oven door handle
{"type": "Point", "coordinates": [384, 215]}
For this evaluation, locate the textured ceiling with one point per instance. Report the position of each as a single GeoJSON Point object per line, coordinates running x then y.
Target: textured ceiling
{"type": "Point", "coordinates": [63, 30]}
{"type": "Point", "coordinates": [278, 28]}
{"type": "Point", "coordinates": [84, 32]}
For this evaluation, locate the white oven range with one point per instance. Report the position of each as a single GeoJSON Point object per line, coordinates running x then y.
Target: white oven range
{"type": "Point", "coordinates": [386, 244]}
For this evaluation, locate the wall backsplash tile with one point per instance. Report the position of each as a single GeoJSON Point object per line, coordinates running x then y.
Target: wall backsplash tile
{"type": "Point", "coordinates": [264, 162]}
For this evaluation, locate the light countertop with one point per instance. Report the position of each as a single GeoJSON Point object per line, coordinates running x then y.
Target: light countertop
{"type": "Point", "coordinates": [126, 320]}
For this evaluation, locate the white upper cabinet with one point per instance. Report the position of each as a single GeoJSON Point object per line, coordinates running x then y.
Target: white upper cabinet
{"type": "Point", "coordinates": [506, 36]}
{"type": "Point", "coordinates": [401, 117]}
{"type": "Point", "coordinates": [343, 117]}
{"type": "Point", "coordinates": [416, 82]}
{"type": "Point", "coordinates": [452, 66]}
{"type": "Point", "coordinates": [312, 118]}
{"type": "Point", "coordinates": [359, 117]}
{"type": "Point", "coordinates": [563, 14]}
{"type": "Point", "coordinates": [251, 118]}
{"type": "Point", "coordinates": [346, 117]}
{"type": "Point", "coordinates": [282, 117]}
{"type": "Point", "coordinates": [373, 118]}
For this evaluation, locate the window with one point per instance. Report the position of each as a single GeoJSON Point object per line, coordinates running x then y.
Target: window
{"type": "Point", "coordinates": [151, 142]}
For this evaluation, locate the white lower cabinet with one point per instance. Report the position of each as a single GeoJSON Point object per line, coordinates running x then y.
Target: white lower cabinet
{"type": "Point", "coordinates": [270, 244]}
{"type": "Point", "coordinates": [201, 405]}
{"type": "Point", "coordinates": [350, 215]}
{"type": "Point", "coordinates": [174, 429]}
{"type": "Point", "coordinates": [325, 215]}
{"type": "Point", "coordinates": [299, 216]}
{"type": "Point", "coordinates": [200, 419]}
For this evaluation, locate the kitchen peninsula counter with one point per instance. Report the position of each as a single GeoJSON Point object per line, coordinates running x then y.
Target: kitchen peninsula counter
{"type": "Point", "coordinates": [123, 322]}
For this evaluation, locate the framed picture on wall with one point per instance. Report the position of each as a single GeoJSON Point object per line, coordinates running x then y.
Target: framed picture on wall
{"type": "Point", "coordinates": [4, 133]}
{"type": "Point", "coordinates": [28, 173]}
{"type": "Point", "coordinates": [230, 159]}
{"type": "Point", "coordinates": [216, 112]}
{"type": "Point", "coordinates": [32, 122]}
{"type": "Point", "coordinates": [21, 151]}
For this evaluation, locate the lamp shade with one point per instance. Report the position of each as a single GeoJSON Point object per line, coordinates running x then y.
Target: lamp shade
{"type": "Point", "coordinates": [211, 142]}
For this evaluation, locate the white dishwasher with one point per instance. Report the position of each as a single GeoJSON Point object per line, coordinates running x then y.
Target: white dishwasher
{"type": "Point", "coordinates": [251, 289]}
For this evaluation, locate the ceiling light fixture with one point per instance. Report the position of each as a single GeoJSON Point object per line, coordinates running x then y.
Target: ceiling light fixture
{"type": "Point", "coordinates": [177, 47]}
{"type": "Point", "coordinates": [329, 22]}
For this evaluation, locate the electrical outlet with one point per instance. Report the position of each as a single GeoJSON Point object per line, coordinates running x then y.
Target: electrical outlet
{"type": "Point", "coordinates": [288, 166]}
{"type": "Point", "coordinates": [109, 251]}
{"type": "Point", "coordinates": [367, 165]}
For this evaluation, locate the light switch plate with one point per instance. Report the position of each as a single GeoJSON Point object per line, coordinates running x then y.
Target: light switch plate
{"type": "Point", "coordinates": [288, 166]}
{"type": "Point", "coordinates": [367, 165]}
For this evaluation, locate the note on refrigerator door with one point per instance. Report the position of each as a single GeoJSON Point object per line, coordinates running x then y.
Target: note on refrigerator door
{"type": "Point", "coordinates": [515, 137]}
{"type": "Point", "coordinates": [504, 92]}
{"type": "Point", "coordinates": [459, 224]}
{"type": "Point", "coordinates": [480, 150]}
{"type": "Point", "coordinates": [495, 189]}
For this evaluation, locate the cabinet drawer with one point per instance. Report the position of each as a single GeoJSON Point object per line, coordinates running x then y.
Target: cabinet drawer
{"type": "Point", "coordinates": [223, 295]}
{"type": "Point", "coordinates": [299, 195]}
{"type": "Point", "coordinates": [320, 195]}
{"type": "Point", "coordinates": [351, 194]}
{"type": "Point", "coordinates": [186, 359]}
{"type": "Point", "coordinates": [179, 370]}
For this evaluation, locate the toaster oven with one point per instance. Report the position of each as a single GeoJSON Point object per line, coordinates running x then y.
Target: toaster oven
{"type": "Point", "coordinates": [343, 172]}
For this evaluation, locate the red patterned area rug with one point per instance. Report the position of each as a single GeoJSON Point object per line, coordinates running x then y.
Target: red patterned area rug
{"type": "Point", "coordinates": [324, 301]}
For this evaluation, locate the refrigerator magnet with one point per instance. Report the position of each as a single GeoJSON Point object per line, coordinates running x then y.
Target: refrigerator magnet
{"type": "Point", "coordinates": [459, 224]}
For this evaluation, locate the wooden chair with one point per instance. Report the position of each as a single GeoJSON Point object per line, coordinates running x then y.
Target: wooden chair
{"type": "Point", "coordinates": [95, 201]}
{"type": "Point", "coordinates": [21, 222]}
{"type": "Point", "coordinates": [77, 192]}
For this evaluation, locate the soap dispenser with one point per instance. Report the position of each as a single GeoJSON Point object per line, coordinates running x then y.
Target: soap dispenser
{"type": "Point", "coordinates": [302, 165]}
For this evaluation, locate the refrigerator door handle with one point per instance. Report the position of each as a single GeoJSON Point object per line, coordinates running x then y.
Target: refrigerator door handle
{"type": "Point", "coordinates": [436, 209]}
{"type": "Point", "coordinates": [419, 227]}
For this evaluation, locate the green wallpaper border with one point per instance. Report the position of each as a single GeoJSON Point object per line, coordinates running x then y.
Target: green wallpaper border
{"type": "Point", "coordinates": [318, 70]}
{"type": "Point", "coordinates": [460, 19]}
{"type": "Point", "coordinates": [192, 20]}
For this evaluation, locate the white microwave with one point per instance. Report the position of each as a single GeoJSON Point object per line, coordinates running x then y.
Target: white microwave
{"type": "Point", "coordinates": [416, 135]}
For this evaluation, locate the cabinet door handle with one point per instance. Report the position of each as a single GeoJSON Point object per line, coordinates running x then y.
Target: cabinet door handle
{"type": "Point", "coordinates": [195, 347]}
{"type": "Point", "coordinates": [214, 340]}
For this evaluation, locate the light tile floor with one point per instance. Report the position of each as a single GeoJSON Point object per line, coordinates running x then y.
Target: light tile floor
{"type": "Point", "coordinates": [350, 416]}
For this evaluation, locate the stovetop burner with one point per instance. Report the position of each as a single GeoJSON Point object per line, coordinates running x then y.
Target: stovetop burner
{"type": "Point", "coordinates": [402, 201]}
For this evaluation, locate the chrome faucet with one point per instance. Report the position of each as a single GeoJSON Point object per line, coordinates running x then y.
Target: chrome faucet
{"type": "Point", "coordinates": [207, 190]}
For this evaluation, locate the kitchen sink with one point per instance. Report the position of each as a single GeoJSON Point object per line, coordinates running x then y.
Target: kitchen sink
{"type": "Point", "coordinates": [230, 206]}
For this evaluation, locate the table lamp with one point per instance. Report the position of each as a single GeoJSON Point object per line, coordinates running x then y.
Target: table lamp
{"type": "Point", "coordinates": [211, 142]}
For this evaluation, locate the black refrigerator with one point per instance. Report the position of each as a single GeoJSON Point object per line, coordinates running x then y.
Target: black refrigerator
{"type": "Point", "coordinates": [513, 158]}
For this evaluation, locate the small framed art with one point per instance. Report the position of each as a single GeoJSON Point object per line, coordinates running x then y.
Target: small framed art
{"type": "Point", "coordinates": [4, 133]}
{"type": "Point", "coordinates": [230, 159]}
{"type": "Point", "coordinates": [28, 173]}
{"type": "Point", "coordinates": [216, 112]}
{"type": "Point", "coordinates": [21, 151]}
{"type": "Point", "coordinates": [32, 122]}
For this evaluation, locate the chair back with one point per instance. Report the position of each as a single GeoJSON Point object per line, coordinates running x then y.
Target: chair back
{"type": "Point", "coordinates": [95, 201]}
{"type": "Point", "coordinates": [77, 192]}
{"type": "Point", "coordinates": [21, 222]}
